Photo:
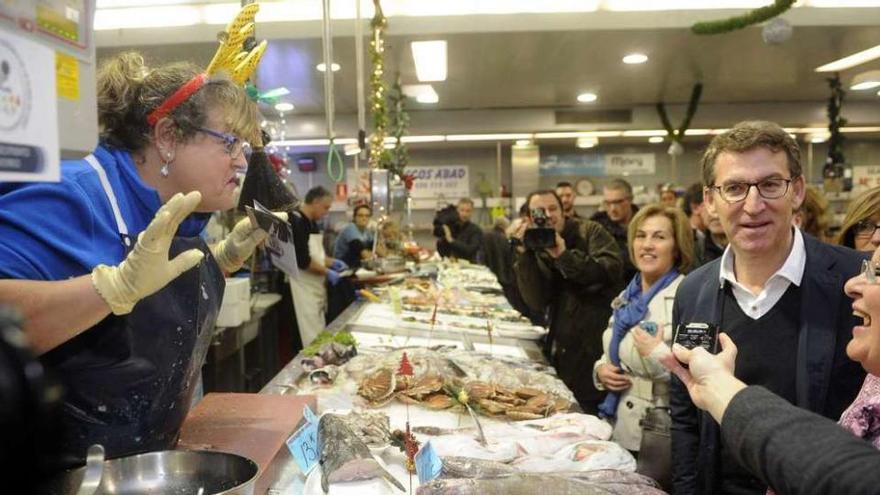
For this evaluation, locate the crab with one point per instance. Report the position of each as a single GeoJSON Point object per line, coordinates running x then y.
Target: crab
{"type": "Point", "coordinates": [425, 385]}
{"type": "Point", "coordinates": [378, 387]}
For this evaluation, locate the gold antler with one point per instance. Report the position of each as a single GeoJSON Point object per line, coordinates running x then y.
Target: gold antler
{"type": "Point", "coordinates": [229, 56]}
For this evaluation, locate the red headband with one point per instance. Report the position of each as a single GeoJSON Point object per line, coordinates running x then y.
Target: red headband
{"type": "Point", "coordinates": [176, 98]}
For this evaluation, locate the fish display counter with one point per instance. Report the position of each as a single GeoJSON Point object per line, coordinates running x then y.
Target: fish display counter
{"type": "Point", "coordinates": [443, 408]}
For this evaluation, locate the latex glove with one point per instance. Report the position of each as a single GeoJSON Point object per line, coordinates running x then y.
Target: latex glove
{"type": "Point", "coordinates": [333, 277]}
{"type": "Point", "coordinates": [338, 265]}
{"type": "Point", "coordinates": [147, 268]}
{"type": "Point", "coordinates": [239, 245]}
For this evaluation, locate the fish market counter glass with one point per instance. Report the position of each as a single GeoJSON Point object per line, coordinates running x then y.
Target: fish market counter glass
{"type": "Point", "coordinates": [493, 412]}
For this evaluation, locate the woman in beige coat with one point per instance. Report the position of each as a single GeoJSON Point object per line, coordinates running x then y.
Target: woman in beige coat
{"type": "Point", "coordinates": [661, 247]}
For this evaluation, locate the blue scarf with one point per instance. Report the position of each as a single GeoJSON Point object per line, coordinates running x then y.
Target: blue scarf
{"type": "Point", "coordinates": [633, 310]}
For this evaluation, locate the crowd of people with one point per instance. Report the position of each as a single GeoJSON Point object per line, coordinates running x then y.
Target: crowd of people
{"type": "Point", "coordinates": [747, 252]}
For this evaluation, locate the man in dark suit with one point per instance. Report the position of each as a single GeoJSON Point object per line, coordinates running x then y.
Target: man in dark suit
{"type": "Point", "coordinates": [791, 324]}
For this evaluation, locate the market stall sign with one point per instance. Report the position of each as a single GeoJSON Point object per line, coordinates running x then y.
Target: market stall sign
{"type": "Point", "coordinates": [598, 165]}
{"type": "Point", "coordinates": [443, 181]}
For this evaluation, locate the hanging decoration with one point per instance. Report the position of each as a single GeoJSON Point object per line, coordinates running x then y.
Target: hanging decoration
{"type": "Point", "coordinates": [750, 18]}
{"type": "Point", "coordinates": [379, 156]}
{"type": "Point", "coordinates": [835, 161]}
{"type": "Point", "coordinates": [776, 32]}
{"type": "Point", "coordinates": [676, 135]}
{"type": "Point", "coordinates": [399, 123]}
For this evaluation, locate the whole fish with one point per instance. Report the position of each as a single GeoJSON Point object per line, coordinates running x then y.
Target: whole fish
{"type": "Point", "coordinates": [516, 484]}
{"type": "Point", "coordinates": [468, 467]}
{"type": "Point", "coordinates": [345, 457]}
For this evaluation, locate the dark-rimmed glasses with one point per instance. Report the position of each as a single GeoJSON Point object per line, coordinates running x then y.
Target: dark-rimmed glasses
{"type": "Point", "coordinates": [865, 228]}
{"type": "Point", "coordinates": [734, 192]}
{"type": "Point", "coordinates": [233, 145]}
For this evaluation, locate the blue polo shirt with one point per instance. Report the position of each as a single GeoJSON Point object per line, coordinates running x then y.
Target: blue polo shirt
{"type": "Point", "coordinates": [59, 230]}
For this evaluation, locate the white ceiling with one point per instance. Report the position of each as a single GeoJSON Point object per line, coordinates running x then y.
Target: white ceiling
{"type": "Point", "coordinates": [532, 63]}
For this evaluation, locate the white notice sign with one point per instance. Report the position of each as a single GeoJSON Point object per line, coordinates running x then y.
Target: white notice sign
{"type": "Point", "coordinates": [28, 111]}
{"type": "Point", "coordinates": [629, 164]}
{"type": "Point", "coordinates": [444, 181]}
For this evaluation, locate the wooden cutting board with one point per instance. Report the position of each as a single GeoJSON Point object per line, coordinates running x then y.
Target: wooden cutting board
{"type": "Point", "coordinates": [252, 425]}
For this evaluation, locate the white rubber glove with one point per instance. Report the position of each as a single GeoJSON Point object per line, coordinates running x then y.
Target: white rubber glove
{"type": "Point", "coordinates": [239, 245]}
{"type": "Point", "coordinates": [147, 268]}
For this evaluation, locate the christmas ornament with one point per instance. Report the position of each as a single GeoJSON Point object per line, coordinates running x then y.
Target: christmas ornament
{"type": "Point", "coordinates": [776, 32]}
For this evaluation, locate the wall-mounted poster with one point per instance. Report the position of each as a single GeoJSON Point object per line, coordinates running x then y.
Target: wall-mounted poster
{"type": "Point", "coordinates": [440, 181]}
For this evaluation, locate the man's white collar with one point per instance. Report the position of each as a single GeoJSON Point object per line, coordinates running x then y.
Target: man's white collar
{"type": "Point", "coordinates": [792, 269]}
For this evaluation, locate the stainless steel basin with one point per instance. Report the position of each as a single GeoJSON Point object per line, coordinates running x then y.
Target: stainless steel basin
{"type": "Point", "coordinates": [170, 472]}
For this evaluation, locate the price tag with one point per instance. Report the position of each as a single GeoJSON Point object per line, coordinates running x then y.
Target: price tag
{"type": "Point", "coordinates": [309, 415]}
{"type": "Point", "coordinates": [428, 463]}
{"type": "Point", "coordinates": [303, 445]}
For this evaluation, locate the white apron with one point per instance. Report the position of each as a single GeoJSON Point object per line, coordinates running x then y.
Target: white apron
{"type": "Point", "coordinates": [310, 295]}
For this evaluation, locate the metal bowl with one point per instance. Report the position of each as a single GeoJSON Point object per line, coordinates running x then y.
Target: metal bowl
{"type": "Point", "coordinates": [170, 472]}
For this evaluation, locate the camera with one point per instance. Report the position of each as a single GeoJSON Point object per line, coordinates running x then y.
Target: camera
{"type": "Point", "coordinates": [448, 216]}
{"type": "Point", "coordinates": [539, 235]}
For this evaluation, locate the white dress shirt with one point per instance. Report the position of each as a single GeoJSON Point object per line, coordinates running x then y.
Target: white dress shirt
{"type": "Point", "coordinates": [791, 272]}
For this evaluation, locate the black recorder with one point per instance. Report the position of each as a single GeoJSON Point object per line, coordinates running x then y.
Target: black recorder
{"type": "Point", "coordinates": [692, 335]}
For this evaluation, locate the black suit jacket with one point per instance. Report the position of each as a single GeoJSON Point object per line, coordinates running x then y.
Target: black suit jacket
{"type": "Point", "coordinates": [827, 380]}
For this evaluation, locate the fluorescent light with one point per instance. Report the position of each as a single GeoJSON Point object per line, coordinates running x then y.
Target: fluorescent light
{"type": "Point", "coordinates": [351, 149]}
{"type": "Point", "coordinates": [642, 5]}
{"type": "Point", "coordinates": [430, 59]}
{"type": "Point", "coordinates": [523, 142]}
{"type": "Point", "coordinates": [577, 134]}
{"type": "Point", "coordinates": [147, 17]}
{"type": "Point", "coordinates": [851, 60]}
{"type": "Point", "coordinates": [587, 142]}
{"type": "Point", "coordinates": [859, 129]}
{"type": "Point", "coordinates": [323, 67]}
{"type": "Point", "coordinates": [587, 97]}
{"type": "Point", "coordinates": [645, 133]}
{"type": "Point", "coordinates": [390, 146]}
{"type": "Point", "coordinates": [655, 139]}
{"type": "Point", "coordinates": [866, 80]}
{"type": "Point", "coordinates": [284, 106]}
{"type": "Point", "coordinates": [423, 139]}
{"type": "Point", "coordinates": [635, 58]}
{"type": "Point", "coordinates": [487, 137]}
{"type": "Point", "coordinates": [429, 97]}
{"type": "Point", "coordinates": [819, 138]}
{"type": "Point", "coordinates": [697, 132]}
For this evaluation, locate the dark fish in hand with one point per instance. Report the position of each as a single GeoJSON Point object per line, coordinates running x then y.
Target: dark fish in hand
{"type": "Point", "coordinates": [345, 457]}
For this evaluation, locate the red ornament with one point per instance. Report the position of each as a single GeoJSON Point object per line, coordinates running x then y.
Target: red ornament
{"type": "Point", "coordinates": [408, 180]}
{"type": "Point", "coordinates": [405, 368]}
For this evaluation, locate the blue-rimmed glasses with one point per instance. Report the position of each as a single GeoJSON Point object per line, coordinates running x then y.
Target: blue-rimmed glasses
{"type": "Point", "coordinates": [233, 145]}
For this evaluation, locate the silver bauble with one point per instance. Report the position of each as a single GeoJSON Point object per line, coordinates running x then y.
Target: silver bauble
{"type": "Point", "coordinates": [776, 32]}
{"type": "Point", "coordinates": [675, 149]}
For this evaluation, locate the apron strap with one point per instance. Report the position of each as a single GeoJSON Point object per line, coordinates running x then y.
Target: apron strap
{"type": "Point", "coordinates": [111, 196]}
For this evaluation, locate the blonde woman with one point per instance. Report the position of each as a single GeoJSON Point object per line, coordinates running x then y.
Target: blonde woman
{"type": "Point", "coordinates": [859, 229]}
{"type": "Point", "coordinates": [661, 247]}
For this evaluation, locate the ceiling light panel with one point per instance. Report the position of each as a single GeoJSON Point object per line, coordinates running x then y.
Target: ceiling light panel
{"type": "Point", "coordinates": [587, 97]}
{"type": "Point", "coordinates": [322, 67]}
{"type": "Point", "coordinates": [635, 59]}
{"type": "Point", "coordinates": [851, 60]}
{"type": "Point", "coordinates": [430, 60]}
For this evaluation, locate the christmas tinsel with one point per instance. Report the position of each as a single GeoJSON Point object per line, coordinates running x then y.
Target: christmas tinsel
{"type": "Point", "coordinates": [738, 22]}
{"type": "Point", "coordinates": [677, 135]}
{"type": "Point", "coordinates": [379, 156]}
{"type": "Point", "coordinates": [399, 123]}
{"type": "Point", "coordinates": [835, 160]}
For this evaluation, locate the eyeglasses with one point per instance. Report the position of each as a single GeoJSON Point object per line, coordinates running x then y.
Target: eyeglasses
{"type": "Point", "coordinates": [869, 270]}
{"type": "Point", "coordinates": [734, 192]}
{"type": "Point", "coordinates": [233, 145]}
{"type": "Point", "coordinates": [865, 228]}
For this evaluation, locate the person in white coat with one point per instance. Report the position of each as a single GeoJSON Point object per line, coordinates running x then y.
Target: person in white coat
{"type": "Point", "coordinates": [661, 247]}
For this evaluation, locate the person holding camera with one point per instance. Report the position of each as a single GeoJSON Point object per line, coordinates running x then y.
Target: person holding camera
{"type": "Point", "coordinates": [458, 237]}
{"type": "Point", "coordinates": [570, 269]}
{"type": "Point", "coordinates": [777, 292]}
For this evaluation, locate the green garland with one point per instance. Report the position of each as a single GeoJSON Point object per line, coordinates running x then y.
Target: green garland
{"type": "Point", "coordinates": [399, 124]}
{"type": "Point", "coordinates": [678, 135]}
{"type": "Point", "coordinates": [835, 123]}
{"type": "Point", "coordinates": [379, 156]}
{"type": "Point", "coordinates": [753, 17]}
